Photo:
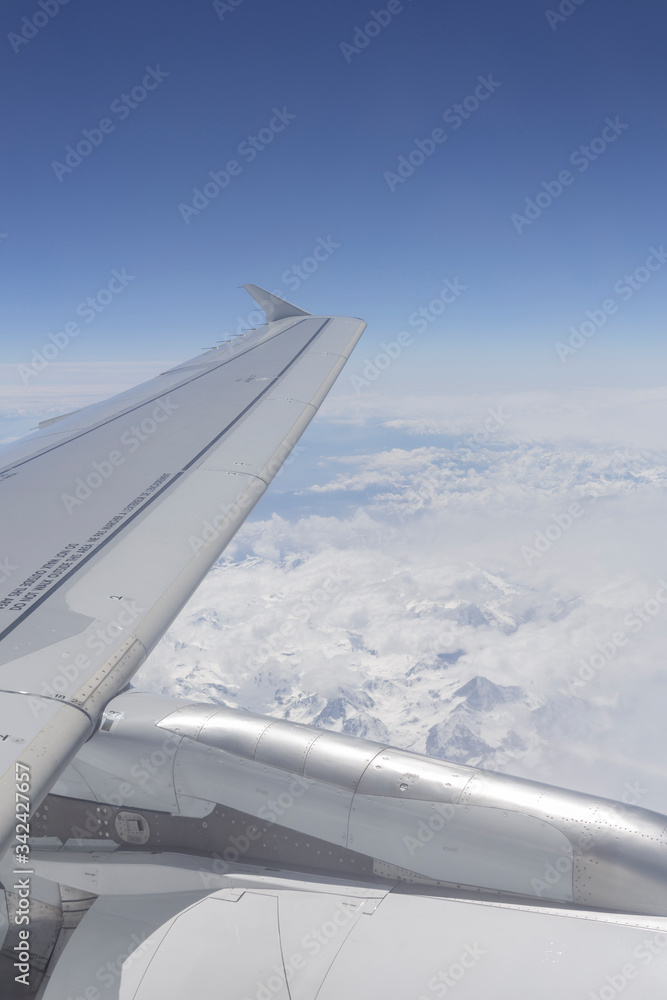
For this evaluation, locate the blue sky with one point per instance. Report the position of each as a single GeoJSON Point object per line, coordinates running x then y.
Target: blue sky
{"type": "Point", "coordinates": [218, 76]}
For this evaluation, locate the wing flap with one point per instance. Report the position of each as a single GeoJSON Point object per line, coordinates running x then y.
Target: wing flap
{"type": "Point", "coordinates": [278, 934]}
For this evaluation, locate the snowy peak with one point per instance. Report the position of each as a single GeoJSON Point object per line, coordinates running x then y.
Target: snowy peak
{"type": "Point", "coordinates": [482, 695]}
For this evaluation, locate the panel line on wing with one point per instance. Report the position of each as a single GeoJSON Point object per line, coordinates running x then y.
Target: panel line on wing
{"type": "Point", "coordinates": [267, 388]}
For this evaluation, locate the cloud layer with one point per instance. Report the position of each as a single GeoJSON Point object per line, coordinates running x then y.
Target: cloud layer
{"type": "Point", "coordinates": [491, 596]}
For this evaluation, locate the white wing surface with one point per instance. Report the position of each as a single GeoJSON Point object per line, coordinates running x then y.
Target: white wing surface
{"type": "Point", "coordinates": [112, 515]}
{"type": "Point", "coordinates": [272, 935]}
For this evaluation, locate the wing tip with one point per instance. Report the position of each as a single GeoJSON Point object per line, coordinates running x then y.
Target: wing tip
{"type": "Point", "coordinates": [274, 307]}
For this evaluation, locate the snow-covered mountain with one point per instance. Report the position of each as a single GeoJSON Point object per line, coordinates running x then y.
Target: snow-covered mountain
{"type": "Point", "coordinates": [492, 600]}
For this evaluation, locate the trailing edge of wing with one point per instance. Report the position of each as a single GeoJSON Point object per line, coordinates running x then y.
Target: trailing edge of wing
{"type": "Point", "coordinates": [274, 307]}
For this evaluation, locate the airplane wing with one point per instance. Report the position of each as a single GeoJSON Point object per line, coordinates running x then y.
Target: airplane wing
{"type": "Point", "coordinates": [113, 514]}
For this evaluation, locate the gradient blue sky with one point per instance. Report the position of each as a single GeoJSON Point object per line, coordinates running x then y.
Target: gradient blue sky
{"type": "Point", "coordinates": [323, 177]}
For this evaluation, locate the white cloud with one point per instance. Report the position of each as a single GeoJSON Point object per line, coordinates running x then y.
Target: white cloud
{"type": "Point", "coordinates": [613, 416]}
{"type": "Point", "coordinates": [435, 590]}
{"type": "Point", "coordinates": [64, 386]}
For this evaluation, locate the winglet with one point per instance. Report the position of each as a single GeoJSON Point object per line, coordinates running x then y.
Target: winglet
{"type": "Point", "coordinates": [274, 307]}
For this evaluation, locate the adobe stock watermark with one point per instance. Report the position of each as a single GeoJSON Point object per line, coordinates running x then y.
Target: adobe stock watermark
{"type": "Point", "coordinates": [454, 117]}
{"type": "Point", "coordinates": [32, 25]}
{"type": "Point", "coordinates": [560, 523]}
{"type": "Point", "coordinates": [240, 845]}
{"type": "Point", "coordinates": [249, 149]}
{"type": "Point", "coordinates": [302, 610]}
{"type": "Point", "coordinates": [447, 979]}
{"type": "Point", "coordinates": [492, 423]}
{"type": "Point", "coordinates": [626, 974]}
{"type": "Point", "coordinates": [312, 943]}
{"type": "Point", "coordinates": [102, 640]}
{"type": "Point", "coordinates": [635, 620]}
{"type": "Point", "coordinates": [436, 482]}
{"type": "Point", "coordinates": [226, 513]}
{"type": "Point", "coordinates": [293, 277]}
{"type": "Point", "coordinates": [378, 20]}
{"type": "Point", "coordinates": [6, 569]}
{"type": "Point", "coordinates": [625, 288]}
{"type": "Point", "coordinates": [142, 772]}
{"type": "Point", "coordinates": [88, 310]}
{"type": "Point", "coordinates": [581, 158]}
{"type": "Point", "coordinates": [566, 9]}
{"type": "Point", "coordinates": [229, 512]}
{"type": "Point", "coordinates": [121, 108]}
{"type": "Point", "coordinates": [419, 320]}
{"type": "Point", "coordinates": [224, 7]}
{"type": "Point", "coordinates": [130, 441]}
{"type": "Point", "coordinates": [426, 829]}
{"type": "Point", "coordinates": [584, 841]}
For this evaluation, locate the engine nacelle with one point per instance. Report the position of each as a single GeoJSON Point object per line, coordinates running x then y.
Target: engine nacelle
{"type": "Point", "coordinates": [416, 818]}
